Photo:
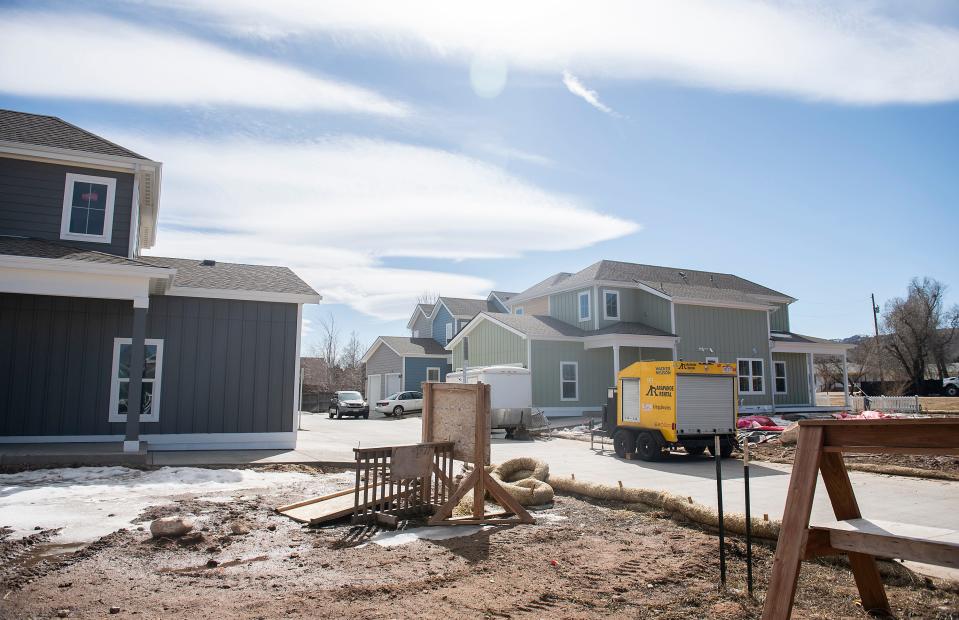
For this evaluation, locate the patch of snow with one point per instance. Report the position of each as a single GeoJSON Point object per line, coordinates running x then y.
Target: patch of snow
{"type": "Point", "coordinates": [440, 532]}
{"type": "Point", "coordinates": [90, 502]}
{"type": "Point", "coordinates": [549, 517]}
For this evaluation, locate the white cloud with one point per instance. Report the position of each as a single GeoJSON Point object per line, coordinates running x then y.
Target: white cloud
{"type": "Point", "coordinates": [97, 58]}
{"type": "Point", "coordinates": [850, 53]}
{"type": "Point", "coordinates": [335, 209]}
{"type": "Point", "coordinates": [590, 96]}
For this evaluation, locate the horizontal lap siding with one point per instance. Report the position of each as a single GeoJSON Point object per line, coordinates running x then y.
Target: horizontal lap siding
{"type": "Point", "coordinates": [491, 344]}
{"type": "Point", "coordinates": [384, 360]}
{"type": "Point", "coordinates": [440, 320]}
{"type": "Point", "coordinates": [228, 365]}
{"type": "Point", "coordinates": [423, 325]}
{"type": "Point", "coordinates": [731, 333]}
{"type": "Point", "coordinates": [414, 371]}
{"type": "Point", "coordinates": [595, 373]}
{"type": "Point", "coordinates": [31, 202]}
{"type": "Point", "coordinates": [797, 379]}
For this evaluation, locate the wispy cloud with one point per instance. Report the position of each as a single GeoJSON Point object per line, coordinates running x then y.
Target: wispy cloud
{"type": "Point", "coordinates": [99, 58]}
{"type": "Point", "coordinates": [847, 53]}
{"type": "Point", "coordinates": [337, 209]}
{"type": "Point", "coordinates": [591, 96]}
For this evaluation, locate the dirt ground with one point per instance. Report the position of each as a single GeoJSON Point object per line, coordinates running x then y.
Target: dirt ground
{"type": "Point", "coordinates": [582, 560]}
{"type": "Point", "coordinates": [775, 452]}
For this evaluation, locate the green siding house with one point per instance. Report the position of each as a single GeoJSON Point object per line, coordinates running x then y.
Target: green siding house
{"type": "Point", "coordinates": [575, 331]}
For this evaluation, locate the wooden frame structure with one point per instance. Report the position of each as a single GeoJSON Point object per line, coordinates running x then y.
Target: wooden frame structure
{"type": "Point", "coordinates": [478, 480]}
{"type": "Point", "coordinates": [390, 487]}
{"type": "Point", "coordinates": [820, 449]}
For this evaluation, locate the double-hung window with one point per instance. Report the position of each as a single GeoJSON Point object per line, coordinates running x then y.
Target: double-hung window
{"type": "Point", "coordinates": [120, 386]}
{"type": "Point", "coordinates": [519, 310]}
{"type": "Point", "coordinates": [568, 381]}
{"type": "Point", "coordinates": [433, 374]}
{"type": "Point", "coordinates": [750, 376]}
{"type": "Point", "coordinates": [449, 332]}
{"type": "Point", "coordinates": [780, 368]}
{"type": "Point", "coordinates": [611, 305]}
{"type": "Point", "coordinates": [88, 208]}
{"type": "Point", "coordinates": [582, 306]}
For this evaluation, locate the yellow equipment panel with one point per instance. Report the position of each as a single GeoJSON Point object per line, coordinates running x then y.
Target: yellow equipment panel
{"type": "Point", "coordinates": [647, 393]}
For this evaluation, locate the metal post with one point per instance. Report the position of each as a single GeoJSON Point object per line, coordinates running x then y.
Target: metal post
{"type": "Point", "coordinates": [719, 501]}
{"type": "Point", "coordinates": [131, 439]}
{"type": "Point", "coordinates": [845, 381]}
{"type": "Point", "coordinates": [749, 523]}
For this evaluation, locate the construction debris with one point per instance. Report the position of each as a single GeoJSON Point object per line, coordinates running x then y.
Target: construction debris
{"type": "Point", "coordinates": [171, 527]}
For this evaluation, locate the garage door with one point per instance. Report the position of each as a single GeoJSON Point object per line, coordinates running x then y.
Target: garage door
{"type": "Point", "coordinates": [392, 384]}
{"type": "Point", "coordinates": [373, 388]}
{"type": "Point", "coordinates": [705, 405]}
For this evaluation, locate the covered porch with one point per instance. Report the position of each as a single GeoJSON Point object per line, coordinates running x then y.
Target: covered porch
{"type": "Point", "coordinates": [788, 347]}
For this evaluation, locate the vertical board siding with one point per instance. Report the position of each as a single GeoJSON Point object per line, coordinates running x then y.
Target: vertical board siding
{"type": "Point", "coordinates": [779, 319]}
{"type": "Point", "coordinates": [595, 373]}
{"type": "Point", "coordinates": [31, 202]}
{"type": "Point", "coordinates": [637, 306]}
{"type": "Point", "coordinates": [440, 319]}
{"type": "Point", "coordinates": [491, 344]}
{"type": "Point", "coordinates": [414, 370]}
{"type": "Point", "coordinates": [228, 365]}
{"type": "Point", "coordinates": [797, 379]}
{"type": "Point", "coordinates": [565, 307]}
{"type": "Point", "coordinates": [731, 333]}
{"type": "Point", "coordinates": [656, 354]}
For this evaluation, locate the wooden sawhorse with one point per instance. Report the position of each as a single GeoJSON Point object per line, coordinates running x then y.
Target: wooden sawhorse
{"type": "Point", "coordinates": [821, 444]}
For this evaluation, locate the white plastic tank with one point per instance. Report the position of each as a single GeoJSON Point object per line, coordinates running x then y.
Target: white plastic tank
{"type": "Point", "coordinates": [511, 387]}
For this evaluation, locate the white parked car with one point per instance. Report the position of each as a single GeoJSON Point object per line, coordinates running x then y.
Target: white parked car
{"type": "Point", "coordinates": [400, 403]}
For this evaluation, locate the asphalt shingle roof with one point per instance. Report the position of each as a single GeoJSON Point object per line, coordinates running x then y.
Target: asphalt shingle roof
{"type": "Point", "coordinates": [461, 307]}
{"type": "Point", "coordinates": [673, 281]}
{"type": "Point", "coordinates": [504, 296]}
{"type": "Point", "coordinates": [42, 130]}
{"type": "Point", "coordinates": [539, 326]}
{"type": "Point", "coordinates": [192, 273]}
{"type": "Point", "coordinates": [405, 345]}
{"type": "Point", "coordinates": [793, 337]}
{"type": "Point", "coordinates": [426, 308]}
{"type": "Point", "coordinates": [40, 248]}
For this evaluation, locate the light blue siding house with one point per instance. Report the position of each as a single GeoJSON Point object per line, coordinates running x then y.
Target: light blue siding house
{"type": "Point", "coordinates": [575, 331]}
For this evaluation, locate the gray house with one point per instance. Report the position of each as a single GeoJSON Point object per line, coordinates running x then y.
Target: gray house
{"type": "Point", "coordinates": [88, 324]}
{"type": "Point", "coordinates": [575, 331]}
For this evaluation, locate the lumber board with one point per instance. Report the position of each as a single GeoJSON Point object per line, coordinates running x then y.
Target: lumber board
{"type": "Point", "coordinates": [889, 539]}
{"type": "Point", "coordinates": [328, 507]}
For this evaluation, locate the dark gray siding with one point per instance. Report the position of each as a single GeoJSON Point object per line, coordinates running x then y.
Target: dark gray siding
{"type": "Point", "coordinates": [31, 202]}
{"type": "Point", "coordinates": [384, 360]}
{"type": "Point", "coordinates": [228, 365]}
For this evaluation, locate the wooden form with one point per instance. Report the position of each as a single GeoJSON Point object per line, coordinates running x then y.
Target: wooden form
{"type": "Point", "coordinates": [324, 508]}
{"type": "Point", "coordinates": [820, 448]}
{"type": "Point", "coordinates": [461, 413]}
{"type": "Point", "coordinates": [399, 482]}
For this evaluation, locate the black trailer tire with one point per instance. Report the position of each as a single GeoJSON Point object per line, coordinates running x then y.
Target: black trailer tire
{"type": "Point", "coordinates": [725, 448]}
{"type": "Point", "coordinates": [694, 450]}
{"type": "Point", "coordinates": [647, 448]}
{"type": "Point", "coordinates": [624, 442]}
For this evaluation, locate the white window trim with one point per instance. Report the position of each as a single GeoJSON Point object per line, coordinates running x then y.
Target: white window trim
{"type": "Point", "coordinates": [519, 310]}
{"type": "Point", "coordinates": [777, 364]}
{"type": "Point", "coordinates": [154, 415]}
{"type": "Point", "coordinates": [579, 306]}
{"type": "Point", "coordinates": [619, 310]}
{"type": "Point", "coordinates": [438, 375]}
{"type": "Point", "coordinates": [712, 359]}
{"type": "Point", "coordinates": [449, 332]}
{"type": "Point", "coordinates": [65, 233]}
{"type": "Point", "coordinates": [752, 376]}
{"type": "Point", "coordinates": [562, 381]}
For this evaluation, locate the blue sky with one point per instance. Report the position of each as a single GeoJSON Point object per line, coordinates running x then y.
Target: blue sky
{"type": "Point", "coordinates": [385, 149]}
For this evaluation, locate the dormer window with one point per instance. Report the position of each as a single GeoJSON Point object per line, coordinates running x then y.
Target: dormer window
{"type": "Point", "coordinates": [611, 305]}
{"type": "Point", "coordinates": [88, 208]}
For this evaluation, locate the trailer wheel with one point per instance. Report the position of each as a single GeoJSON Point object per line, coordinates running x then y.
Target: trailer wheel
{"type": "Point", "coordinates": [624, 442]}
{"type": "Point", "coordinates": [648, 448]}
{"type": "Point", "coordinates": [694, 450]}
{"type": "Point", "coordinates": [725, 448]}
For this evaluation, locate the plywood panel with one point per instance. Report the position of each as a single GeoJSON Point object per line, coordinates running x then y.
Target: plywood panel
{"type": "Point", "coordinates": [451, 413]}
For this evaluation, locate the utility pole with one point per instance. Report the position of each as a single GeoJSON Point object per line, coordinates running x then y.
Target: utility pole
{"type": "Point", "coordinates": [875, 324]}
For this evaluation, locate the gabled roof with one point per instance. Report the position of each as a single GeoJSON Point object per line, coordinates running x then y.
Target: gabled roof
{"type": "Point", "coordinates": [424, 309]}
{"type": "Point", "coordinates": [43, 130]}
{"type": "Point", "coordinates": [194, 274]}
{"type": "Point", "coordinates": [546, 328]}
{"type": "Point", "coordinates": [503, 296]}
{"type": "Point", "coordinates": [786, 342]}
{"type": "Point", "coordinates": [463, 308]}
{"type": "Point", "coordinates": [407, 347]}
{"type": "Point", "coordinates": [669, 281]}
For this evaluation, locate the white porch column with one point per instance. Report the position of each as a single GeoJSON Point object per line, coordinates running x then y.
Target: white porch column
{"type": "Point", "coordinates": [845, 381]}
{"type": "Point", "coordinates": [615, 363]}
{"type": "Point", "coordinates": [811, 378]}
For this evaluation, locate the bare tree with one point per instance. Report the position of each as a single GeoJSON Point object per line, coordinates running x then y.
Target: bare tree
{"type": "Point", "coordinates": [328, 350]}
{"type": "Point", "coordinates": [829, 370]}
{"type": "Point", "coordinates": [351, 364]}
{"type": "Point", "coordinates": [919, 329]}
{"type": "Point", "coordinates": [427, 297]}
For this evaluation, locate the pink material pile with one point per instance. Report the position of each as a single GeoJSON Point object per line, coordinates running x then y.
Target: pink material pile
{"type": "Point", "coordinates": [757, 423]}
{"type": "Point", "coordinates": [865, 415]}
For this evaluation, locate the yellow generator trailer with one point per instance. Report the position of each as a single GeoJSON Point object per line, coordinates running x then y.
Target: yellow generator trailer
{"type": "Point", "coordinates": [663, 406]}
